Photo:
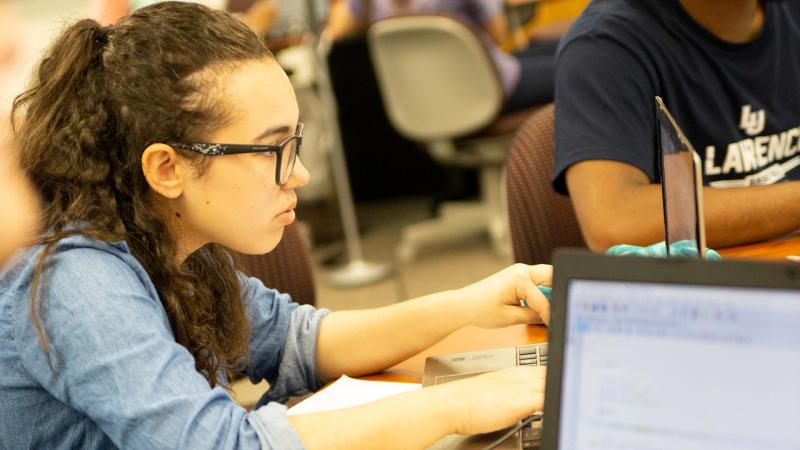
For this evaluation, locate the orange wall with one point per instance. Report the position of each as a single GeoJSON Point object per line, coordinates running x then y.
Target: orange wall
{"type": "Point", "coordinates": [550, 11]}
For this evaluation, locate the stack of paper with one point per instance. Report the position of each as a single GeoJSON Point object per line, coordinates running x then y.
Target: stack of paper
{"type": "Point", "coordinates": [346, 392]}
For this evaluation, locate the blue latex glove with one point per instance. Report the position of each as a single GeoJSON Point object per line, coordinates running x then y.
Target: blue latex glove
{"type": "Point", "coordinates": [659, 250]}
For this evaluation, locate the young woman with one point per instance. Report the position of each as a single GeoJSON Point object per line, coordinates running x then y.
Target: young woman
{"type": "Point", "coordinates": [156, 144]}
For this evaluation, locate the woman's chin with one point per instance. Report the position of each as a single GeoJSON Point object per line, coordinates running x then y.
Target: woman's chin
{"type": "Point", "coordinates": [259, 245]}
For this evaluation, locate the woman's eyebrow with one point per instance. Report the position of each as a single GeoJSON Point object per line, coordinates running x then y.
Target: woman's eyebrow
{"type": "Point", "coordinates": [283, 129]}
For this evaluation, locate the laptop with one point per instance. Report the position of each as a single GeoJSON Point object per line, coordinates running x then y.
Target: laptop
{"type": "Point", "coordinates": [655, 353]}
{"type": "Point", "coordinates": [649, 353]}
{"type": "Point", "coordinates": [681, 184]}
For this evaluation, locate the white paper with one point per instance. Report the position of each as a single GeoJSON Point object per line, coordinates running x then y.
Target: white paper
{"type": "Point", "coordinates": [346, 392]}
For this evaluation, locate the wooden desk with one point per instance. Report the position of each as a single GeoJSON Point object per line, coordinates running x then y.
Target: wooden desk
{"type": "Point", "coordinates": [774, 249]}
{"type": "Point", "coordinates": [473, 338]}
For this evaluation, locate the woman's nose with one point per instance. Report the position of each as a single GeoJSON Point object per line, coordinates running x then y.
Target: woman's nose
{"type": "Point", "coordinates": [300, 176]}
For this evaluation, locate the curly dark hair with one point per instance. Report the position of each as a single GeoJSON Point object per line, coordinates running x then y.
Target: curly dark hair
{"type": "Point", "coordinates": [102, 95]}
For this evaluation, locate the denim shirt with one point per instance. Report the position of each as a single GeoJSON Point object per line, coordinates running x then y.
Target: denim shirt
{"type": "Point", "coordinates": [122, 381]}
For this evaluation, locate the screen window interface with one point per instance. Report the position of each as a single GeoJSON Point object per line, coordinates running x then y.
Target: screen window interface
{"type": "Point", "coordinates": [662, 366]}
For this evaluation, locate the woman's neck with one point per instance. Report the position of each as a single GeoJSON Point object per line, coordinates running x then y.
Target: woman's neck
{"type": "Point", "coordinates": [736, 21]}
{"type": "Point", "coordinates": [186, 238]}
{"type": "Point", "coordinates": [185, 241]}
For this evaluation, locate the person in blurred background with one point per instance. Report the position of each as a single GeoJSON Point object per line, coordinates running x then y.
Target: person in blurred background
{"type": "Point", "coordinates": [108, 12]}
{"type": "Point", "coordinates": [157, 144]}
{"type": "Point", "coordinates": [18, 203]}
{"type": "Point", "coordinates": [259, 15]}
{"type": "Point", "coordinates": [526, 75]}
{"type": "Point", "coordinates": [10, 37]}
{"type": "Point", "coordinates": [729, 74]}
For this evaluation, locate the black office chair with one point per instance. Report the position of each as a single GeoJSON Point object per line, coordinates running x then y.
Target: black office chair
{"type": "Point", "coordinates": [540, 218]}
{"type": "Point", "coordinates": [287, 268]}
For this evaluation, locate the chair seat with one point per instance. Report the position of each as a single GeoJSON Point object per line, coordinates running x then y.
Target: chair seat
{"type": "Point", "coordinates": [490, 145]}
{"type": "Point", "coordinates": [505, 124]}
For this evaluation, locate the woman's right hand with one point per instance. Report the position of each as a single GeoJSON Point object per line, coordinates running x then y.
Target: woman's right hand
{"type": "Point", "coordinates": [480, 404]}
{"type": "Point", "coordinates": [496, 400]}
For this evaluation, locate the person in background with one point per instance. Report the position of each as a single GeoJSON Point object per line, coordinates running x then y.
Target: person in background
{"type": "Point", "coordinates": [107, 12]}
{"type": "Point", "coordinates": [157, 144]}
{"type": "Point", "coordinates": [259, 15]}
{"type": "Point", "coordinates": [550, 21]}
{"type": "Point", "coordinates": [729, 73]}
{"type": "Point", "coordinates": [19, 221]}
{"type": "Point", "coordinates": [525, 75]}
{"type": "Point", "coordinates": [18, 203]}
{"type": "Point", "coordinates": [11, 55]}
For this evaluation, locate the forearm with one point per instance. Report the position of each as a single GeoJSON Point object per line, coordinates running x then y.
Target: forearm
{"type": "Point", "coordinates": [743, 215]}
{"type": "Point", "coordinates": [550, 31]}
{"type": "Point", "coordinates": [497, 28]}
{"type": "Point", "coordinates": [368, 341]}
{"type": "Point", "coordinates": [406, 421]}
{"type": "Point", "coordinates": [341, 22]}
{"type": "Point", "coordinates": [732, 216]}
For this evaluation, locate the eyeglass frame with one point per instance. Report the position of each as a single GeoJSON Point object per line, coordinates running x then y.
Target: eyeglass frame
{"type": "Point", "coordinates": [235, 149]}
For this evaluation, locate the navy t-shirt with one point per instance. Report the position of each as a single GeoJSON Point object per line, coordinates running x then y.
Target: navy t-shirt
{"type": "Point", "coordinates": [739, 104]}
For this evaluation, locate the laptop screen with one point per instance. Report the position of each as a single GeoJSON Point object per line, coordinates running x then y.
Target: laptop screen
{"type": "Point", "coordinates": [668, 366]}
{"type": "Point", "coordinates": [681, 183]}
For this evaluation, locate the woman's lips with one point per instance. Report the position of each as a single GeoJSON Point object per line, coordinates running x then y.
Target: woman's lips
{"type": "Point", "coordinates": [286, 216]}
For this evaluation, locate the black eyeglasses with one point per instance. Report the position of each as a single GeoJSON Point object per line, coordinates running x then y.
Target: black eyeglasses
{"type": "Point", "coordinates": [286, 152]}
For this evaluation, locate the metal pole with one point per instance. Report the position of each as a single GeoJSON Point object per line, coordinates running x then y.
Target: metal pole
{"type": "Point", "coordinates": [356, 271]}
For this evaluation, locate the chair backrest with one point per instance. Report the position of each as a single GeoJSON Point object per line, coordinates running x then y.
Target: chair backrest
{"type": "Point", "coordinates": [435, 76]}
{"type": "Point", "coordinates": [287, 268]}
{"type": "Point", "coordinates": [540, 218]}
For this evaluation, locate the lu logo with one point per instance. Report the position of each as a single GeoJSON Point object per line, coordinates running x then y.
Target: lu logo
{"type": "Point", "coordinates": [752, 122]}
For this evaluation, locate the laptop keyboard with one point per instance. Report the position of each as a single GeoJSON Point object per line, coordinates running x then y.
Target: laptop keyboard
{"type": "Point", "coordinates": [532, 434]}
{"type": "Point", "coordinates": [532, 355]}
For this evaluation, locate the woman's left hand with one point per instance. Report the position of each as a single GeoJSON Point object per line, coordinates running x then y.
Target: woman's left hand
{"type": "Point", "coordinates": [495, 302]}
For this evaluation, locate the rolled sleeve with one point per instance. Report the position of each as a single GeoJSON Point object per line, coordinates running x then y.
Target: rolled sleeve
{"type": "Point", "coordinates": [283, 342]}
{"type": "Point", "coordinates": [297, 373]}
{"type": "Point", "coordinates": [268, 313]}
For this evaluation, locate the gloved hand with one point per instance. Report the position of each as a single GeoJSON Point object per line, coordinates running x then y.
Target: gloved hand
{"type": "Point", "coordinates": [681, 248]}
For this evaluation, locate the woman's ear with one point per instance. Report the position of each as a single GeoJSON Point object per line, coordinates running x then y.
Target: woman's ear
{"type": "Point", "coordinates": [166, 172]}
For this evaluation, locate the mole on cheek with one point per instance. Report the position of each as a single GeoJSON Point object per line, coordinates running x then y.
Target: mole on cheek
{"type": "Point", "coordinates": [178, 215]}
{"type": "Point", "coordinates": [208, 202]}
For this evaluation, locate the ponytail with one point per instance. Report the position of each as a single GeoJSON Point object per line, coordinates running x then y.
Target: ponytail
{"type": "Point", "coordinates": [67, 109]}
